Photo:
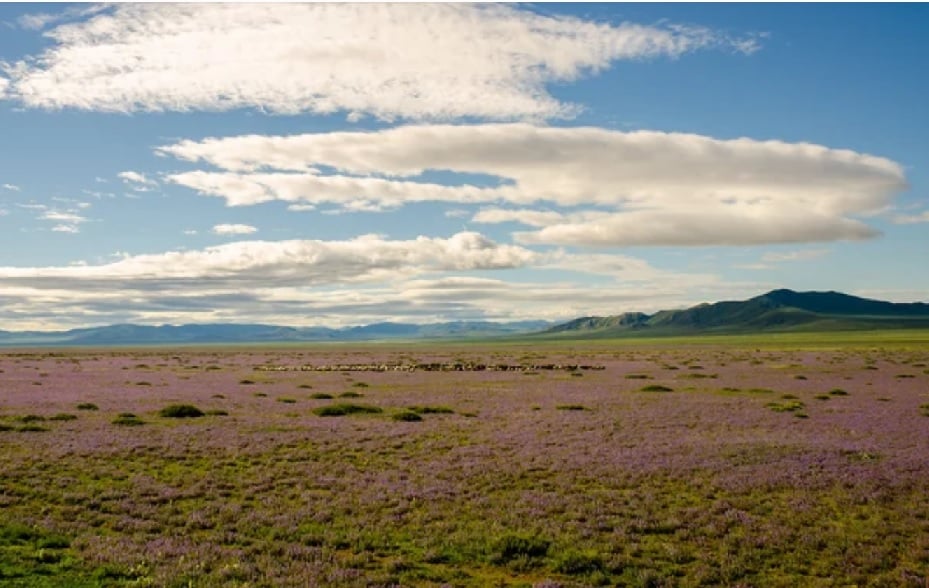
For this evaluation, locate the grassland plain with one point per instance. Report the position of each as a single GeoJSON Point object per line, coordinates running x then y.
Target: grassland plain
{"type": "Point", "coordinates": [692, 462]}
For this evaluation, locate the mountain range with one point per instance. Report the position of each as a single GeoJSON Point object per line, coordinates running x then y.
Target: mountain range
{"type": "Point", "coordinates": [778, 310]}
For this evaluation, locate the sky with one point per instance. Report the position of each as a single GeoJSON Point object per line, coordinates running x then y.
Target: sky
{"type": "Point", "coordinates": [345, 164]}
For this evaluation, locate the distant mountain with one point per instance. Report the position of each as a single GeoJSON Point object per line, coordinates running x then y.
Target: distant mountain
{"type": "Point", "coordinates": [236, 333]}
{"type": "Point", "coordinates": [778, 310]}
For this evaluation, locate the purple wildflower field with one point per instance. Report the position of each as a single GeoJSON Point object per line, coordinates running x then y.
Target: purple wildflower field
{"type": "Point", "coordinates": [693, 466]}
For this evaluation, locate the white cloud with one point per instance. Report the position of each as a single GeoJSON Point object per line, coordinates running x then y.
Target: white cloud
{"type": "Point", "coordinates": [138, 181]}
{"type": "Point", "coordinates": [804, 255]}
{"type": "Point", "coordinates": [228, 229]}
{"type": "Point", "coordinates": [40, 20]}
{"type": "Point", "coordinates": [4, 212]}
{"type": "Point", "coordinates": [533, 218]}
{"type": "Point", "coordinates": [10, 187]}
{"type": "Point", "coordinates": [912, 219]}
{"type": "Point", "coordinates": [639, 188]}
{"type": "Point", "coordinates": [190, 232]}
{"type": "Point", "coordinates": [413, 61]}
{"type": "Point", "coordinates": [65, 217]}
{"type": "Point", "coordinates": [66, 229]}
{"type": "Point", "coordinates": [305, 262]}
{"type": "Point", "coordinates": [702, 227]}
{"type": "Point", "coordinates": [363, 280]}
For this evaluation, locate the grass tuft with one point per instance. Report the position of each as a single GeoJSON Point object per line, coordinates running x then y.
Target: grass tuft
{"type": "Point", "coordinates": [87, 406]}
{"type": "Point", "coordinates": [407, 416]}
{"type": "Point", "coordinates": [657, 388]}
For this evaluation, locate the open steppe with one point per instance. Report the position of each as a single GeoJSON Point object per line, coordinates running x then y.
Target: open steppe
{"type": "Point", "coordinates": [725, 461]}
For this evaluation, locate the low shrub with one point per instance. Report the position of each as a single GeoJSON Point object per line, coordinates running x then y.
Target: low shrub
{"type": "Point", "coordinates": [321, 396]}
{"type": "Point", "coordinates": [571, 407]}
{"type": "Point", "coordinates": [87, 406]}
{"type": "Point", "coordinates": [346, 409]}
{"type": "Point", "coordinates": [431, 410]}
{"type": "Point", "coordinates": [786, 406]}
{"type": "Point", "coordinates": [63, 416]}
{"type": "Point", "coordinates": [638, 377]}
{"type": "Point", "coordinates": [31, 428]}
{"type": "Point", "coordinates": [31, 418]}
{"type": "Point", "coordinates": [127, 419]}
{"type": "Point", "coordinates": [287, 400]}
{"type": "Point", "coordinates": [838, 392]}
{"type": "Point", "coordinates": [350, 395]}
{"type": "Point", "coordinates": [657, 388]}
{"type": "Point", "coordinates": [407, 416]}
{"type": "Point", "coordinates": [180, 411]}
{"type": "Point", "coordinates": [217, 412]}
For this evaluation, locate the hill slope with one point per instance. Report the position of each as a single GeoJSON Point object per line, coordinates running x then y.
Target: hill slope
{"type": "Point", "coordinates": [778, 310]}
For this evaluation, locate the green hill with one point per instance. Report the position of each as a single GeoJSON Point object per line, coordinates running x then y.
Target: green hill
{"type": "Point", "coordinates": [776, 311]}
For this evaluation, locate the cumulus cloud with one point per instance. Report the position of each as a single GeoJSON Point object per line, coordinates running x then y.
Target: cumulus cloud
{"type": "Point", "coordinates": [133, 177]}
{"type": "Point", "coordinates": [422, 61]}
{"type": "Point", "coordinates": [67, 221]}
{"type": "Point", "coordinates": [363, 280]}
{"type": "Point", "coordinates": [304, 262]}
{"type": "Point", "coordinates": [10, 187]}
{"type": "Point", "coordinates": [636, 188]}
{"type": "Point", "coordinates": [228, 229]}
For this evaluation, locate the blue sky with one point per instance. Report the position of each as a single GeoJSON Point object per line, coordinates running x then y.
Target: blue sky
{"type": "Point", "coordinates": [347, 164]}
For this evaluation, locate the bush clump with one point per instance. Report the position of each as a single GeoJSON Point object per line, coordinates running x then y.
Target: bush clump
{"type": "Point", "coordinates": [321, 396]}
{"type": "Point", "coordinates": [431, 410]}
{"type": "Point", "coordinates": [407, 416]}
{"type": "Point", "coordinates": [63, 416]}
{"type": "Point", "coordinates": [87, 406]}
{"type": "Point", "coordinates": [345, 409]}
{"type": "Point", "coordinates": [571, 407]}
{"type": "Point", "coordinates": [127, 419]}
{"type": "Point", "coordinates": [657, 388]}
{"type": "Point", "coordinates": [31, 428]}
{"type": "Point", "coordinates": [217, 412]}
{"type": "Point", "coordinates": [180, 411]}
{"type": "Point", "coordinates": [350, 395]}
{"type": "Point", "coordinates": [838, 392]}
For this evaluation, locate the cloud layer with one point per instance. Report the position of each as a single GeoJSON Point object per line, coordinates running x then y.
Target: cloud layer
{"type": "Point", "coordinates": [357, 281]}
{"type": "Point", "coordinates": [424, 61]}
{"type": "Point", "coordinates": [638, 188]}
